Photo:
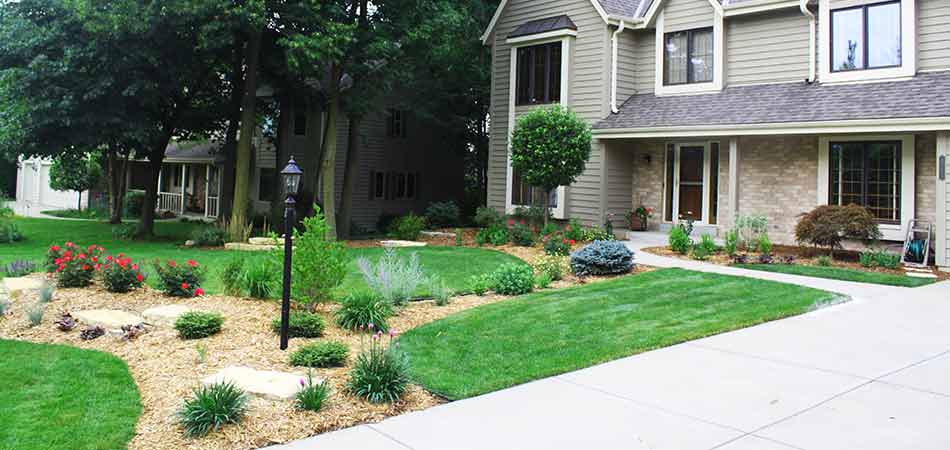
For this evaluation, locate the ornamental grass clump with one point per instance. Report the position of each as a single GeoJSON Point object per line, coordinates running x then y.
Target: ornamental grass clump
{"type": "Point", "coordinates": [302, 324]}
{"type": "Point", "coordinates": [231, 276]}
{"type": "Point", "coordinates": [197, 324]}
{"type": "Point", "coordinates": [73, 266]}
{"type": "Point", "coordinates": [320, 354]}
{"type": "Point", "coordinates": [602, 258]}
{"type": "Point", "coordinates": [393, 278]}
{"type": "Point", "coordinates": [120, 274]}
{"type": "Point", "coordinates": [260, 279]}
{"type": "Point", "coordinates": [212, 407]}
{"type": "Point", "coordinates": [361, 310]}
{"type": "Point", "coordinates": [312, 395]}
{"type": "Point", "coordinates": [380, 373]}
{"type": "Point", "coordinates": [180, 280]}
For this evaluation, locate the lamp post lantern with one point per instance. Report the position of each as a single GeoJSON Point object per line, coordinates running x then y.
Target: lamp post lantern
{"type": "Point", "coordinates": [291, 179]}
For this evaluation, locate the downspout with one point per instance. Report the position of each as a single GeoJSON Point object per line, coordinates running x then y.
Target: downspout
{"type": "Point", "coordinates": [613, 68]}
{"type": "Point", "coordinates": [812, 30]}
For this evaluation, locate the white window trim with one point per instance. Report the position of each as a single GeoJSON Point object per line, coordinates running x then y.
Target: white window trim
{"type": "Point", "coordinates": [533, 39]}
{"type": "Point", "coordinates": [694, 88]}
{"type": "Point", "coordinates": [707, 178]}
{"type": "Point", "coordinates": [889, 232]}
{"type": "Point", "coordinates": [567, 40]}
{"type": "Point", "coordinates": [908, 66]}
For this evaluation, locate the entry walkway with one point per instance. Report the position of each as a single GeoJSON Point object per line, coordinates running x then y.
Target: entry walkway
{"type": "Point", "coordinates": [871, 374]}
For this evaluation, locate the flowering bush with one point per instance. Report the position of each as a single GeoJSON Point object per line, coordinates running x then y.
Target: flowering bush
{"type": "Point", "coordinates": [73, 266]}
{"type": "Point", "coordinates": [180, 280]}
{"type": "Point", "coordinates": [553, 266]}
{"type": "Point", "coordinates": [521, 234]}
{"type": "Point", "coordinates": [380, 374]}
{"type": "Point", "coordinates": [120, 274]}
{"type": "Point", "coordinates": [557, 244]}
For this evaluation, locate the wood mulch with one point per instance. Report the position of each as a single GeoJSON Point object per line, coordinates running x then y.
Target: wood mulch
{"type": "Point", "coordinates": [166, 368]}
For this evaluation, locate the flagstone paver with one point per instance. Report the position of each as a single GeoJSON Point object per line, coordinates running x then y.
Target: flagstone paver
{"type": "Point", "coordinates": [267, 384]}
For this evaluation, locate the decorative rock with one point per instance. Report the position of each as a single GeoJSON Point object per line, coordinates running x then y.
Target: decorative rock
{"type": "Point", "coordinates": [394, 244]}
{"type": "Point", "coordinates": [261, 241]}
{"type": "Point", "coordinates": [248, 247]}
{"type": "Point", "coordinates": [165, 314]}
{"type": "Point", "coordinates": [190, 243]}
{"type": "Point", "coordinates": [16, 285]}
{"type": "Point", "coordinates": [438, 234]}
{"type": "Point", "coordinates": [266, 384]}
{"type": "Point", "coordinates": [921, 275]}
{"type": "Point", "coordinates": [110, 319]}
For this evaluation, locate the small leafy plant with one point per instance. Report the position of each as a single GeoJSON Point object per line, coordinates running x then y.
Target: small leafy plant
{"type": "Point", "coordinates": [260, 279]}
{"type": "Point", "coordinates": [764, 245]}
{"type": "Point", "coordinates": [312, 396]}
{"type": "Point", "coordinates": [542, 281]}
{"type": "Point", "coordinates": [731, 242]}
{"type": "Point", "coordinates": [301, 325]}
{"type": "Point", "coordinates": [212, 407]}
{"type": "Point", "coordinates": [380, 374]}
{"type": "Point", "coordinates": [209, 236]}
{"type": "Point", "coordinates": [574, 231]}
{"type": "Point", "coordinates": [9, 232]}
{"type": "Point", "coordinates": [556, 244]}
{"type": "Point", "coordinates": [521, 234]}
{"type": "Point", "coordinates": [120, 274]}
{"type": "Point", "coordinates": [602, 258]}
{"type": "Point", "coordinates": [879, 258]}
{"type": "Point", "coordinates": [823, 261]}
{"type": "Point", "coordinates": [91, 333]}
{"type": "Point", "coordinates": [480, 284]}
{"type": "Point", "coordinates": [553, 266]}
{"type": "Point", "coordinates": [443, 214]}
{"type": "Point", "coordinates": [407, 227]}
{"type": "Point", "coordinates": [679, 239]}
{"type": "Point", "coordinates": [320, 354]}
{"type": "Point", "coordinates": [513, 279]}
{"type": "Point", "coordinates": [197, 324]}
{"type": "Point", "coordinates": [319, 264]}
{"type": "Point", "coordinates": [393, 278]}
{"type": "Point", "coordinates": [66, 322]}
{"type": "Point", "coordinates": [360, 309]}
{"type": "Point", "coordinates": [486, 216]}
{"type": "Point", "coordinates": [180, 280]}
{"type": "Point", "coordinates": [231, 276]}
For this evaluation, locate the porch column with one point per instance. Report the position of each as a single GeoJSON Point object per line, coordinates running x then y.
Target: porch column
{"type": "Point", "coordinates": [183, 182]}
{"type": "Point", "coordinates": [733, 179]}
{"type": "Point", "coordinates": [942, 222]}
{"type": "Point", "coordinates": [207, 185]}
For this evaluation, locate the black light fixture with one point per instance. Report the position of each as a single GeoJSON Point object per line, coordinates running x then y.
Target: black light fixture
{"type": "Point", "coordinates": [291, 177]}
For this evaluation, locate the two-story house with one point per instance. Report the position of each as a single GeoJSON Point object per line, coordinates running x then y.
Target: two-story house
{"type": "Point", "coordinates": [710, 109]}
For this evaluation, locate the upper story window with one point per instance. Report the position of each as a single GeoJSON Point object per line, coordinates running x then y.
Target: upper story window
{"type": "Point", "coordinates": [688, 57]}
{"type": "Point", "coordinates": [396, 127]}
{"type": "Point", "coordinates": [539, 74]}
{"type": "Point", "coordinates": [866, 37]}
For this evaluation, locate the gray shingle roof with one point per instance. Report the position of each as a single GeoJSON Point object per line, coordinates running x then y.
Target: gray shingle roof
{"type": "Point", "coordinates": [544, 25]}
{"type": "Point", "coordinates": [628, 8]}
{"type": "Point", "coordinates": [926, 95]}
{"type": "Point", "coordinates": [193, 150]}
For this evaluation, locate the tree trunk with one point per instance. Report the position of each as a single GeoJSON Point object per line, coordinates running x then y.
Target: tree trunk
{"type": "Point", "coordinates": [328, 165]}
{"type": "Point", "coordinates": [234, 121]}
{"type": "Point", "coordinates": [545, 200]}
{"type": "Point", "coordinates": [79, 201]}
{"type": "Point", "coordinates": [117, 165]}
{"type": "Point", "coordinates": [239, 211]}
{"type": "Point", "coordinates": [155, 158]}
{"type": "Point", "coordinates": [349, 175]}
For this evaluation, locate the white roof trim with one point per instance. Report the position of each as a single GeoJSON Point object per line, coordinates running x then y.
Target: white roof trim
{"type": "Point", "coordinates": [764, 129]}
{"type": "Point", "coordinates": [501, 7]}
{"type": "Point", "coordinates": [757, 6]}
{"type": "Point", "coordinates": [650, 15]}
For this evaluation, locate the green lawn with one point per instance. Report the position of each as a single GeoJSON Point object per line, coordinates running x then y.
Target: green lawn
{"type": "Point", "coordinates": [839, 273]}
{"type": "Point", "coordinates": [548, 333]}
{"type": "Point", "coordinates": [455, 265]}
{"type": "Point", "coordinates": [55, 396]}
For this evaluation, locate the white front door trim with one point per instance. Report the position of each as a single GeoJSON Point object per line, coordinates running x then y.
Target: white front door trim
{"type": "Point", "coordinates": [707, 176]}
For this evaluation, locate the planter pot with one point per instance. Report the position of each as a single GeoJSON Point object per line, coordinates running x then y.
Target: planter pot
{"type": "Point", "coordinates": [637, 225]}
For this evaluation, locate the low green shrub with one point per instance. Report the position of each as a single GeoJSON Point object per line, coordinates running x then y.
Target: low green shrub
{"type": "Point", "coordinates": [879, 258]}
{"type": "Point", "coordinates": [496, 234]}
{"type": "Point", "coordinates": [380, 374]}
{"type": "Point", "coordinates": [708, 244]}
{"type": "Point", "coordinates": [731, 242]}
{"type": "Point", "coordinates": [443, 214]}
{"type": "Point", "coordinates": [679, 240]}
{"type": "Point", "coordinates": [597, 234]}
{"type": "Point", "coordinates": [124, 231]}
{"type": "Point", "coordinates": [312, 396]}
{"type": "Point", "coordinates": [320, 354]}
{"type": "Point", "coordinates": [197, 324]}
{"type": "Point", "coordinates": [260, 279]}
{"type": "Point", "coordinates": [574, 231]}
{"type": "Point", "coordinates": [699, 253]}
{"type": "Point", "coordinates": [764, 246]}
{"type": "Point", "coordinates": [180, 280]}
{"type": "Point", "coordinates": [521, 234]}
{"type": "Point", "coordinates": [823, 261]}
{"type": "Point", "coordinates": [549, 229]}
{"type": "Point", "coordinates": [542, 281]}
{"type": "Point", "coordinates": [602, 258]}
{"type": "Point", "coordinates": [553, 266]}
{"type": "Point", "coordinates": [407, 227]}
{"type": "Point", "coordinates": [513, 279]}
{"type": "Point", "coordinates": [209, 236]}
{"type": "Point", "coordinates": [212, 407]}
{"type": "Point", "coordinates": [360, 309]}
{"type": "Point", "coordinates": [486, 216]}
{"type": "Point", "coordinates": [556, 244]}
{"type": "Point", "coordinates": [9, 232]}
{"type": "Point", "coordinates": [301, 325]}
{"type": "Point", "coordinates": [480, 284]}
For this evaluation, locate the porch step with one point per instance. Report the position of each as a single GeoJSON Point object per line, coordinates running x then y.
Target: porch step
{"type": "Point", "coordinates": [698, 230]}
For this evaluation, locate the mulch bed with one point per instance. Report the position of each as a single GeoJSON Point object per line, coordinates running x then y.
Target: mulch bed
{"type": "Point", "coordinates": [166, 368]}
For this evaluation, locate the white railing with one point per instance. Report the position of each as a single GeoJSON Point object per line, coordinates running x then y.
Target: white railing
{"type": "Point", "coordinates": [169, 201]}
{"type": "Point", "coordinates": [211, 208]}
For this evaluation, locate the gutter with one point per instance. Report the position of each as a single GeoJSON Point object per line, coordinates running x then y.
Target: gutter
{"type": "Point", "coordinates": [613, 68]}
{"type": "Point", "coordinates": [803, 5]}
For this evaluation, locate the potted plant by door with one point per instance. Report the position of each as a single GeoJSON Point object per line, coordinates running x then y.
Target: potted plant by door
{"type": "Point", "coordinates": [640, 217]}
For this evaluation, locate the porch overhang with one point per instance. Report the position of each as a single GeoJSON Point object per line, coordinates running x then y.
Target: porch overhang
{"type": "Point", "coordinates": [920, 124]}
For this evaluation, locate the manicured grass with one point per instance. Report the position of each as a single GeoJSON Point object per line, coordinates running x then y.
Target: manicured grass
{"type": "Point", "coordinates": [89, 214]}
{"type": "Point", "coordinates": [548, 333]}
{"type": "Point", "coordinates": [454, 264]}
{"type": "Point", "coordinates": [55, 396]}
{"type": "Point", "coordinates": [840, 273]}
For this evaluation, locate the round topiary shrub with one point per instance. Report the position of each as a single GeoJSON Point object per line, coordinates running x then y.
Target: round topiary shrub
{"type": "Point", "coordinates": [602, 258]}
{"type": "Point", "coordinates": [197, 325]}
{"type": "Point", "coordinates": [320, 354]}
{"type": "Point", "coordinates": [513, 279]}
{"type": "Point", "coordinates": [301, 325]}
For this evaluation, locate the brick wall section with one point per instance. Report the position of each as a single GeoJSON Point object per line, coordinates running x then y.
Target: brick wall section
{"type": "Point", "coordinates": [648, 179]}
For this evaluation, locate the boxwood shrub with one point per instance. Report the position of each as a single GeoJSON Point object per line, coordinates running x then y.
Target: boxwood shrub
{"type": "Point", "coordinates": [320, 354]}
{"type": "Point", "coordinates": [197, 325]}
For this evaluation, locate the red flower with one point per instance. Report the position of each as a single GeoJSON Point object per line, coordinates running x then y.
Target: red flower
{"type": "Point", "coordinates": [184, 285]}
{"type": "Point", "coordinates": [511, 222]}
{"type": "Point", "coordinates": [109, 258]}
{"type": "Point", "coordinates": [85, 267]}
{"type": "Point", "coordinates": [58, 261]}
{"type": "Point", "coordinates": [139, 277]}
{"type": "Point", "coordinates": [522, 222]}
{"type": "Point", "coordinates": [100, 249]}
{"type": "Point", "coordinates": [199, 292]}
{"type": "Point", "coordinates": [61, 268]}
{"type": "Point", "coordinates": [82, 256]}
{"type": "Point", "coordinates": [68, 253]}
{"type": "Point", "coordinates": [564, 241]}
{"type": "Point", "coordinates": [135, 267]}
{"type": "Point", "coordinates": [54, 248]}
{"type": "Point", "coordinates": [571, 242]}
{"type": "Point", "coordinates": [69, 244]}
{"type": "Point", "coordinates": [97, 266]}
{"type": "Point", "coordinates": [192, 263]}
{"type": "Point", "coordinates": [94, 259]}
{"type": "Point", "coordinates": [90, 248]}
{"type": "Point", "coordinates": [171, 264]}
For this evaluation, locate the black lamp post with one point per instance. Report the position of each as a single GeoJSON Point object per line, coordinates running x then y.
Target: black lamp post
{"type": "Point", "coordinates": [291, 178]}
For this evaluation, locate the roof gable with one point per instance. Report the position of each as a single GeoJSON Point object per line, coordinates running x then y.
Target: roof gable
{"type": "Point", "coordinates": [501, 7]}
{"type": "Point", "coordinates": [545, 25]}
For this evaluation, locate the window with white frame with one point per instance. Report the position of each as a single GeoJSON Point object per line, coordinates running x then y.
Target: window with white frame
{"type": "Point", "coordinates": [866, 37]}
{"type": "Point", "coordinates": [688, 57]}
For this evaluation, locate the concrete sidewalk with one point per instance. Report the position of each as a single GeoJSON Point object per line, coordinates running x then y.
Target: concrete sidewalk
{"type": "Point", "coordinates": [870, 374]}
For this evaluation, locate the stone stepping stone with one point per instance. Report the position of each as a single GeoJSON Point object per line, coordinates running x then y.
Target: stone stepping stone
{"type": "Point", "coordinates": [166, 314]}
{"type": "Point", "coordinates": [248, 247]}
{"type": "Point", "coordinates": [921, 275]}
{"type": "Point", "coordinates": [267, 384]}
{"type": "Point", "coordinates": [14, 286]}
{"type": "Point", "coordinates": [262, 241]}
{"type": "Point", "coordinates": [437, 233]}
{"type": "Point", "coordinates": [395, 244]}
{"type": "Point", "coordinates": [111, 319]}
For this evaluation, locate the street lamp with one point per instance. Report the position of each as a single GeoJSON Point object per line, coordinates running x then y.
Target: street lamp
{"type": "Point", "coordinates": [291, 177]}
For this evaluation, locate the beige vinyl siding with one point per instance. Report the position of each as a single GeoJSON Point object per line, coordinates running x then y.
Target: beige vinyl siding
{"type": "Point", "coordinates": [627, 68]}
{"type": "Point", "coordinates": [933, 35]}
{"type": "Point", "coordinates": [645, 61]}
{"type": "Point", "coordinates": [619, 185]}
{"type": "Point", "coordinates": [588, 93]}
{"type": "Point", "coordinates": [767, 48]}
{"type": "Point", "coordinates": [681, 15]}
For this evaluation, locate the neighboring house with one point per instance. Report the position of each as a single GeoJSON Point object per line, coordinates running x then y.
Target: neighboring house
{"type": "Point", "coordinates": [706, 110]}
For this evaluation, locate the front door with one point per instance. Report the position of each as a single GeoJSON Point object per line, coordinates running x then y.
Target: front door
{"type": "Point", "coordinates": [691, 174]}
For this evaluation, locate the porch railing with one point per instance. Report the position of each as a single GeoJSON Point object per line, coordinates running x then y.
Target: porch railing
{"type": "Point", "coordinates": [211, 208]}
{"type": "Point", "coordinates": [169, 201]}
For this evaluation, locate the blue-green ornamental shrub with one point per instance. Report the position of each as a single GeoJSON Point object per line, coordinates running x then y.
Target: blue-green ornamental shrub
{"type": "Point", "coordinates": [602, 258]}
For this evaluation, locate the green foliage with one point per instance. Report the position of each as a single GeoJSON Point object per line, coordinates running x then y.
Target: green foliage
{"type": "Point", "coordinates": [133, 203]}
{"type": "Point", "coordinates": [574, 231]}
{"type": "Point", "coordinates": [480, 284]}
{"type": "Point", "coordinates": [699, 253]}
{"type": "Point", "coordinates": [486, 216]}
{"type": "Point", "coordinates": [209, 236]}
{"type": "Point", "coordinates": [458, 237]}
{"type": "Point", "coordinates": [72, 172]}
{"type": "Point", "coordinates": [556, 244]}
{"type": "Point", "coordinates": [597, 234]}
{"type": "Point", "coordinates": [231, 275]}
{"type": "Point", "coordinates": [542, 281]}
{"type": "Point", "coordinates": [731, 242]}
{"type": "Point", "coordinates": [260, 278]}
{"type": "Point", "coordinates": [823, 261]}
{"type": "Point", "coordinates": [439, 291]}
{"type": "Point", "coordinates": [320, 354]}
{"type": "Point", "coordinates": [197, 324]}
{"type": "Point", "coordinates": [679, 240]}
{"type": "Point", "coordinates": [828, 225]}
{"type": "Point", "coordinates": [513, 279]}
{"type": "Point", "coordinates": [554, 266]}
{"type": "Point", "coordinates": [879, 258]}
{"type": "Point", "coordinates": [407, 227]}
{"type": "Point", "coordinates": [707, 243]}
{"type": "Point", "coordinates": [550, 148]}
{"type": "Point", "coordinates": [764, 245]}
{"type": "Point", "coordinates": [380, 374]}
{"type": "Point", "coordinates": [521, 234]}
{"type": "Point", "coordinates": [360, 309]}
{"type": "Point", "coordinates": [301, 325]}
{"type": "Point", "coordinates": [549, 229]}
{"type": "Point", "coordinates": [119, 274]}
{"type": "Point", "coordinates": [602, 258]}
{"type": "Point", "coordinates": [212, 407]}
{"type": "Point", "coordinates": [495, 234]}
{"type": "Point", "coordinates": [9, 232]}
{"type": "Point", "coordinates": [124, 231]}
{"type": "Point", "coordinates": [443, 214]}
{"type": "Point", "coordinates": [73, 266]}
{"type": "Point", "coordinates": [319, 264]}
{"type": "Point", "coordinates": [312, 396]}
{"type": "Point", "coordinates": [748, 229]}
{"type": "Point", "coordinates": [18, 268]}
{"type": "Point", "coordinates": [180, 280]}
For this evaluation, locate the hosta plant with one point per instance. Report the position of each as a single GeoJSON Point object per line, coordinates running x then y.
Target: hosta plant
{"type": "Point", "coordinates": [212, 407]}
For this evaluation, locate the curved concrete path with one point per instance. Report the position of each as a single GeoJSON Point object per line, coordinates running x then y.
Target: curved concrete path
{"type": "Point", "coordinates": [871, 374]}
